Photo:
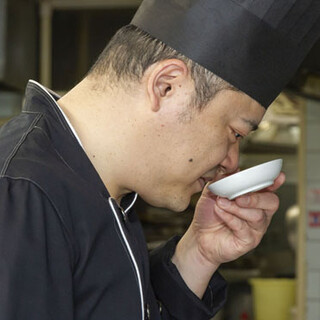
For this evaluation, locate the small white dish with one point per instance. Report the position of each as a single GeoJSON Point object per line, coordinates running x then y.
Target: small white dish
{"type": "Point", "coordinates": [249, 180]}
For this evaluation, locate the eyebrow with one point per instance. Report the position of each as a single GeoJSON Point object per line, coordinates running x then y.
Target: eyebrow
{"type": "Point", "coordinates": [253, 125]}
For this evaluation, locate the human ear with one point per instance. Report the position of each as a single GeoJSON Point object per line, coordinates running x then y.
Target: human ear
{"type": "Point", "coordinates": [164, 80]}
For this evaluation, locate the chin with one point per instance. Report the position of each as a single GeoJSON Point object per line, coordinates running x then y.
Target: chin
{"type": "Point", "coordinates": [174, 203]}
{"type": "Point", "coordinates": [178, 207]}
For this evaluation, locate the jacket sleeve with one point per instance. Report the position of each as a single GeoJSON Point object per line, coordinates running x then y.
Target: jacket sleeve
{"type": "Point", "coordinates": [178, 301]}
{"type": "Point", "coordinates": [35, 264]}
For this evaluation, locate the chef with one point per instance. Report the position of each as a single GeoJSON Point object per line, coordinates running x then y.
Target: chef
{"type": "Point", "coordinates": [160, 114]}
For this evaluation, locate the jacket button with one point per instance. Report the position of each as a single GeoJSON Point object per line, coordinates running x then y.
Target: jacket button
{"type": "Point", "coordinates": [147, 313]}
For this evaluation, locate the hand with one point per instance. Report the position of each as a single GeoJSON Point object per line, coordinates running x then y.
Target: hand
{"type": "Point", "coordinates": [223, 230]}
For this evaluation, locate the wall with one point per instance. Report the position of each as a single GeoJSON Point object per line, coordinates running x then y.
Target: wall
{"type": "Point", "coordinates": [311, 206]}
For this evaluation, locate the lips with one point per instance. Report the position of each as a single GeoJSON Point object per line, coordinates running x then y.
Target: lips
{"type": "Point", "coordinates": [204, 180]}
{"type": "Point", "coordinates": [211, 176]}
{"type": "Point", "coordinates": [207, 179]}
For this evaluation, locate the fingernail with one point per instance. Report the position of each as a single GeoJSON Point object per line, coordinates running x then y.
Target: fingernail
{"type": "Point", "coordinates": [244, 200]}
{"type": "Point", "coordinates": [223, 202]}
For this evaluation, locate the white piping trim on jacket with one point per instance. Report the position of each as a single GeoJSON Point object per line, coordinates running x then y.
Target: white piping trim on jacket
{"type": "Point", "coordinates": [73, 130]}
{"type": "Point", "coordinates": [64, 115]}
{"type": "Point", "coordinates": [132, 203]}
{"type": "Point", "coordinates": [131, 256]}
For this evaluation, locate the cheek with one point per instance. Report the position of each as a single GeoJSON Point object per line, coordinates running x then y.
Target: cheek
{"type": "Point", "coordinates": [216, 151]}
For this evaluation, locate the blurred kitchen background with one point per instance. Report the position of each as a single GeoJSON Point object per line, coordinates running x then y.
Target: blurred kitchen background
{"type": "Point", "coordinates": [55, 42]}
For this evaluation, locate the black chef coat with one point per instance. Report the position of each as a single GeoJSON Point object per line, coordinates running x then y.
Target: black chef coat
{"type": "Point", "coordinates": [68, 251]}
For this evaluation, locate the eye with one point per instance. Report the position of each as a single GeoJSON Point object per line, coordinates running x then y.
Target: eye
{"type": "Point", "coordinates": [238, 136]}
{"type": "Point", "coordinates": [235, 135]}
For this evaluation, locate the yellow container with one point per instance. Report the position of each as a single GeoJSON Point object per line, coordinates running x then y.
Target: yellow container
{"type": "Point", "coordinates": [273, 298]}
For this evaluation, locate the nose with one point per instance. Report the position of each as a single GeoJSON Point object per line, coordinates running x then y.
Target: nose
{"type": "Point", "coordinates": [231, 162]}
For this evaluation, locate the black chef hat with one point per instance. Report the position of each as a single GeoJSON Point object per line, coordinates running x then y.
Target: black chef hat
{"type": "Point", "coordinates": [255, 45]}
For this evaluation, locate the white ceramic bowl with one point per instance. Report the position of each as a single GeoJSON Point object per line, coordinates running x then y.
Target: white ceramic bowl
{"type": "Point", "coordinates": [249, 180]}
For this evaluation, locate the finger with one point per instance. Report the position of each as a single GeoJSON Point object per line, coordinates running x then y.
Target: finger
{"type": "Point", "coordinates": [267, 201]}
{"type": "Point", "coordinates": [232, 221]}
{"type": "Point", "coordinates": [254, 216]}
{"type": "Point", "coordinates": [240, 228]}
{"type": "Point", "coordinates": [207, 193]}
{"type": "Point", "coordinates": [278, 182]}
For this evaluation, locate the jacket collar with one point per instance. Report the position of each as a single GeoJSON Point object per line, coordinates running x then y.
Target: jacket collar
{"type": "Point", "coordinates": [64, 138]}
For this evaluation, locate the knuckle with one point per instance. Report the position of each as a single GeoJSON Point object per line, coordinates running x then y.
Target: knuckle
{"type": "Point", "coordinates": [274, 202]}
{"type": "Point", "coordinates": [258, 217]}
{"type": "Point", "coordinates": [234, 208]}
{"type": "Point", "coordinates": [254, 199]}
{"type": "Point", "coordinates": [257, 239]}
{"type": "Point", "coordinates": [266, 201]}
{"type": "Point", "coordinates": [256, 242]}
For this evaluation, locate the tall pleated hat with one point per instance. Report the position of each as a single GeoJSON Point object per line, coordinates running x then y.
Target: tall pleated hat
{"type": "Point", "coordinates": [255, 45]}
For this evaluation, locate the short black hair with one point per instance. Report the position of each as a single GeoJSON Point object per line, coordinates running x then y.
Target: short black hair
{"type": "Point", "coordinates": [131, 51]}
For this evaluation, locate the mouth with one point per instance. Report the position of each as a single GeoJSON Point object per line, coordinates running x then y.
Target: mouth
{"type": "Point", "coordinates": [213, 175]}
{"type": "Point", "coordinates": [204, 180]}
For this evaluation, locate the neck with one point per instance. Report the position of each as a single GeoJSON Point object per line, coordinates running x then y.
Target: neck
{"type": "Point", "coordinates": [105, 124]}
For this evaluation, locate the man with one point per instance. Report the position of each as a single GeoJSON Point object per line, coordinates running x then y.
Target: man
{"type": "Point", "coordinates": [150, 118]}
